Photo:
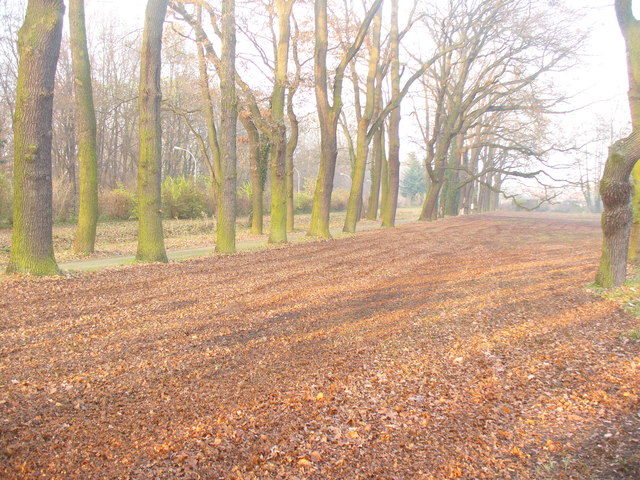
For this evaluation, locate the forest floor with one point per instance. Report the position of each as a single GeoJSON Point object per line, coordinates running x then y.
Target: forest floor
{"type": "Point", "coordinates": [116, 241]}
{"type": "Point", "coordinates": [466, 348]}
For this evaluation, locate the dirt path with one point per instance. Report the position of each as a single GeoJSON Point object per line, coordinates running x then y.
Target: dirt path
{"type": "Point", "coordinates": [468, 348]}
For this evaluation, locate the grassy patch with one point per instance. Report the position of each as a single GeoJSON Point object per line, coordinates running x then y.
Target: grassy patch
{"type": "Point", "coordinates": [627, 296]}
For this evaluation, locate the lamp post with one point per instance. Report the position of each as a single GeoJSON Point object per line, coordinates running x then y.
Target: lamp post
{"type": "Point", "coordinates": [298, 172]}
{"type": "Point", "coordinates": [195, 162]}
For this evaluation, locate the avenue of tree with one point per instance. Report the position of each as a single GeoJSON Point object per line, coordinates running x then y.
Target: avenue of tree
{"type": "Point", "coordinates": [256, 81]}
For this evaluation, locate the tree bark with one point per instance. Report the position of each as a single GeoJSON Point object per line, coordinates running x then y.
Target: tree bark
{"type": "Point", "coordinates": [255, 167]}
{"type": "Point", "coordinates": [389, 216]}
{"type": "Point", "coordinates": [329, 113]}
{"type": "Point", "coordinates": [292, 144]}
{"type": "Point", "coordinates": [634, 238]}
{"type": "Point", "coordinates": [150, 235]}
{"type": "Point", "coordinates": [86, 124]}
{"type": "Point", "coordinates": [354, 204]}
{"type": "Point", "coordinates": [615, 188]}
{"type": "Point", "coordinates": [278, 232]}
{"type": "Point", "coordinates": [38, 49]}
{"type": "Point", "coordinates": [227, 200]}
{"type": "Point", "coordinates": [376, 173]}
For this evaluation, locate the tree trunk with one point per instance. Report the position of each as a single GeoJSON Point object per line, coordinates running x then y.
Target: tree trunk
{"type": "Point", "coordinates": [328, 114]}
{"type": "Point", "coordinates": [389, 216]}
{"type": "Point", "coordinates": [86, 121]}
{"type": "Point", "coordinates": [615, 191]}
{"type": "Point", "coordinates": [324, 183]}
{"type": "Point", "coordinates": [278, 233]}
{"type": "Point", "coordinates": [634, 238]}
{"type": "Point", "coordinates": [292, 144]}
{"type": "Point", "coordinates": [226, 231]}
{"type": "Point", "coordinates": [150, 236]}
{"type": "Point", "coordinates": [212, 132]}
{"type": "Point", "coordinates": [255, 167]}
{"type": "Point", "coordinates": [376, 173]}
{"type": "Point", "coordinates": [38, 50]}
{"type": "Point", "coordinates": [615, 188]}
{"type": "Point", "coordinates": [354, 204]}
{"type": "Point", "coordinates": [384, 176]}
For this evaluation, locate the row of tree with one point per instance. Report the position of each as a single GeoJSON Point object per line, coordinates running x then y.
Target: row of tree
{"type": "Point", "coordinates": [478, 74]}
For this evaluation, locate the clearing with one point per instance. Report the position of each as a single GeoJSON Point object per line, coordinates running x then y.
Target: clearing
{"type": "Point", "coordinates": [466, 348]}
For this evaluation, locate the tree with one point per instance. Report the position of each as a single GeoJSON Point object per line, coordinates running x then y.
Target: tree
{"type": "Point", "coordinates": [227, 199]}
{"type": "Point", "coordinates": [38, 48]}
{"type": "Point", "coordinates": [329, 111]}
{"type": "Point", "coordinates": [86, 127]}
{"type": "Point", "coordinates": [150, 235]}
{"type": "Point", "coordinates": [615, 188]}
{"type": "Point", "coordinates": [364, 120]}
{"type": "Point", "coordinates": [413, 181]}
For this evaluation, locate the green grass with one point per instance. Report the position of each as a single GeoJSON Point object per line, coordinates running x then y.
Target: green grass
{"type": "Point", "coordinates": [627, 296]}
{"type": "Point", "coordinates": [116, 241]}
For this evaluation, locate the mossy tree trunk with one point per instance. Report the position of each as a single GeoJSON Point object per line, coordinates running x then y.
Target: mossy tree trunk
{"type": "Point", "coordinates": [150, 235]}
{"type": "Point", "coordinates": [227, 200]}
{"type": "Point", "coordinates": [389, 217]}
{"type": "Point", "coordinates": [376, 173]}
{"type": "Point", "coordinates": [354, 204]}
{"type": "Point", "coordinates": [329, 112]}
{"type": "Point", "coordinates": [292, 144]}
{"type": "Point", "coordinates": [615, 188]}
{"type": "Point", "coordinates": [255, 166]}
{"type": "Point", "coordinates": [38, 49]}
{"type": "Point", "coordinates": [278, 232]}
{"type": "Point", "coordinates": [85, 237]}
{"type": "Point", "coordinates": [634, 238]}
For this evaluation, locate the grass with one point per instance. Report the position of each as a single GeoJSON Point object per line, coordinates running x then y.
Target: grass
{"type": "Point", "coordinates": [627, 296]}
{"type": "Point", "coordinates": [119, 238]}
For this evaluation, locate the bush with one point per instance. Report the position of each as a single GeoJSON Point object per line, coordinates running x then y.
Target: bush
{"type": "Point", "coordinates": [6, 199]}
{"type": "Point", "coordinates": [181, 199]}
{"type": "Point", "coordinates": [118, 204]}
{"type": "Point", "coordinates": [339, 199]}
{"type": "Point", "coordinates": [303, 201]}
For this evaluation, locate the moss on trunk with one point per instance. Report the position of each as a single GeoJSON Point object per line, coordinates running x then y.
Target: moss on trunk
{"type": "Point", "coordinates": [38, 50]}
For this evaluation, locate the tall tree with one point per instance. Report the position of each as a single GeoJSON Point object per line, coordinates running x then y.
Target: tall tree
{"type": "Point", "coordinates": [38, 48]}
{"type": "Point", "coordinates": [278, 233]}
{"type": "Point", "coordinates": [615, 188]}
{"type": "Point", "coordinates": [150, 235]}
{"type": "Point", "coordinates": [294, 129]}
{"type": "Point", "coordinates": [329, 111]}
{"type": "Point", "coordinates": [364, 120]}
{"type": "Point", "coordinates": [86, 126]}
{"type": "Point", "coordinates": [393, 161]}
{"type": "Point", "coordinates": [227, 200]}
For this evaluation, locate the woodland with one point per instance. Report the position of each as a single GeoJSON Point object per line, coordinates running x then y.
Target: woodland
{"type": "Point", "coordinates": [403, 316]}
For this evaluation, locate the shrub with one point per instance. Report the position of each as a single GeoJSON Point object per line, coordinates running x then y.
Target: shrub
{"type": "Point", "coordinates": [303, 201]}
{"type": "Point", "coordinates": [6, 199]}
{"type": "Point", "coordinates": [181, 199]}
{"type": "Point", "coordinates": [117, 204]}
{"type": "Point", "coordinates": [339, 199]}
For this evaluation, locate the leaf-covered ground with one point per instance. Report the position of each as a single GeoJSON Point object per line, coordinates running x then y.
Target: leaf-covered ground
{"type": "Point", "coordinates": [466, 348]}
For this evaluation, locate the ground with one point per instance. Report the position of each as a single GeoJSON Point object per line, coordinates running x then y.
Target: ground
{"type": "Point", "coordinates": [466, 348]}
